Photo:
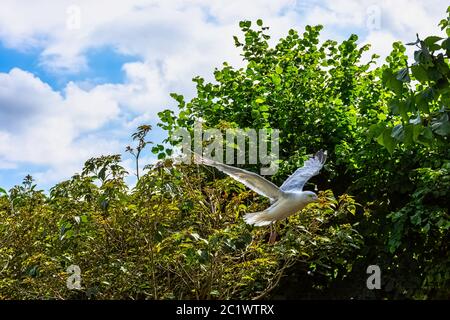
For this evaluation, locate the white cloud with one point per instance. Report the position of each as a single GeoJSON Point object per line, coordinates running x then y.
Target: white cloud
{"type": "Point", "coordinates": [88, 110]}
{"type": "Point", "coordinates": [145, 88]}
{"type": "Point", "coordinates": [198, 33]}
{"type": "Point", "coordinates": [42, 127]}
{"type": "Point", "coordinates": [380, 43]}
{"type": "Point", "coordinates": [341, 13]}
{"type": "Point", "coordinates": [188, 37]}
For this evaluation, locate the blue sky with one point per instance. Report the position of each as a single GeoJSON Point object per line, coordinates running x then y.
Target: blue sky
{"type": "Point", "coordinates": [77, 77]}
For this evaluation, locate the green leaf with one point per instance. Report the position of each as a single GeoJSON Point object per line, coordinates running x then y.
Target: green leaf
{"type": "Point", "coordinates": [276, 79]}
{"type": "Point", "coordinates": [214, 293]}
{"type": "Point", "coordinates": [278, 69]}
{"type": "Point", "coordinates": [386, 140]}
{"type": "Point", "coordinates": [391, 82]}
{"type": "Point", "coordinates": [446, 44]}
{"type": "Point", "coordinates": [426, 136]}
{"type": "Point", "coordinates": [399, 107]}
{"type": "Point", "coordinates": [430, 42]}
{"type": "Point", "coordinates": [408, 134]}
{"type": "Point", "coordinates": [374, 131]}
{"type": "Point", "coordinates": [236, 41]}
{"type": "Point", "coordinates": [433, 73]}
{"type": "Point", "coordinates": [264, 108]}
{"type": "Point", "coordinates": [423, 100]}
{"type": "Point", "coordinates": [102, 173]}
{"type": "Point", "coordinates": [179, 98]}
{"type": "Point", "coordinates": [3, 191]}
{"type": "Point", "coordinates": [259, 22]}
{"type": "Point", "coordinates": [417, 129]}
{"type": "Point", "coordinates": [442, 66]}
{"type": "Point", "coordinates": [158, 148]}
{"type": "Point", "coordinates": [423, 57]}
{"type": "Point", "coordinates": [419, 73]}
{"type": "Point", "coordinates": [417, 55]}
{"type": "Point", "coordinates": [416, 219]}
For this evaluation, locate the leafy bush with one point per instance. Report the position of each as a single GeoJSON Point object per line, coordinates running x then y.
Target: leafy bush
{"type": "Point", "coordinates": [178, 235]}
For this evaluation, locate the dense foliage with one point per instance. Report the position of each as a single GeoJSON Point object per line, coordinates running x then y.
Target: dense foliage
{"type": "Point", "coordinates": [179, 232]}
{"type": "Point", "coordinates": [172, 237]}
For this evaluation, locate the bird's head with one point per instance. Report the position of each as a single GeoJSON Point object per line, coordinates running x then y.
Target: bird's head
{"type": "Point", "coordinates": [310, 196]}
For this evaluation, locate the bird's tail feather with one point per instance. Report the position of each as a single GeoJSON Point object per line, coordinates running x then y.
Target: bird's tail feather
{"type": "Point", "coordinates": [258, 219]}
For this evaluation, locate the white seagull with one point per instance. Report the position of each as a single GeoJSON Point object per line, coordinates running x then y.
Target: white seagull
{"type": "Point", "coordinates": [285, 200]}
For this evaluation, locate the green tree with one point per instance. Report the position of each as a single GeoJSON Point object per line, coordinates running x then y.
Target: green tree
{"type": "Point", "coordinates": [139, 136]}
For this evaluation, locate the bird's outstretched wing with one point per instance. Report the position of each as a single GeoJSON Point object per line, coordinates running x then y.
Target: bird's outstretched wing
{"type": "Point", "coordinates": [249, 179]}
{"type": "Point", "coordinates": [310, 168]}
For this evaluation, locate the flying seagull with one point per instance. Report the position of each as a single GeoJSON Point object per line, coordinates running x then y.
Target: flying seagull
{"type": "Point", "coordinates": [285, 200]}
